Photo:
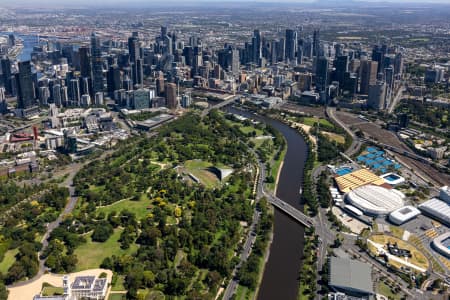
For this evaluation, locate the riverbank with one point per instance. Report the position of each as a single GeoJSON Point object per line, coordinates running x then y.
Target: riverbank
{"type": "Point", "coordinates": [281, 274]}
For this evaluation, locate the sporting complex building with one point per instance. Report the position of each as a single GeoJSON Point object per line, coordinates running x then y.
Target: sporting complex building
{"type": "Point", "coordinates": [442, 244]}
{"type": "Point", "coordinates": [375, 200]}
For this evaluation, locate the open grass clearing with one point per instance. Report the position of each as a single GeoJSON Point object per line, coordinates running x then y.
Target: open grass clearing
{"type": "Point", "coordinates": [199, 169]}
{"type": "Point", "coordinates": [385, 290]}
{"type": "Point", "coordinates": [52, 291]}
{"type": "Point", "coordinates": [338, 138]}
{"type": "Point", "coordinates": [91, 254]}
{"type": "Point", "coordinates": [8, 260]}
{"type": "Point", "coordinates": [139, 208]}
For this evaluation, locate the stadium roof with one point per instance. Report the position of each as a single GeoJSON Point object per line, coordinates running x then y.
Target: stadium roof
{"type": "Point", "coordinates": [358, 178]}
{"type": "Point", "coordinates": [437, 209]}
{"type": "Point", "coordinates": [350, 275]}
{"type": "Point", "coordinates": [376, 200]}
{"type": "Point", "coordinates": [403, 215]}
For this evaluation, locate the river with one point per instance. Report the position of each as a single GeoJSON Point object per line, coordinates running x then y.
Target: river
{"type": "Point", "coordinates": [29, 41]}
{"type": "Point", "coordinates": [281, 275]}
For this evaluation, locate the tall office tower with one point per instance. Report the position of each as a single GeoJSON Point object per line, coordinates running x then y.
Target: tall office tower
{"type": "Point", "coordinates": [65, 96]}
{"type": "Point", "coordinates": [171, 95]}
{"type": "Point", "coordinates": [25, 89]}
{"type": "Point", "coordinates": [316, 43]}
{"type": "Point", "coordinates": [97, 64]}
{"type": "Point", "coordinates": [398, 64]}
{"type": "Point", "coordinates": [291, 45]}
{"type": "Point", "coordinates": [368, 75]}
{"type": "Point", "coordinates": [85, 85]}
{"type": "Point", "coordinates": [98, 100]}
{"type": "Point", "coordinates": [141, 99]}
{"type": "Point", "coordinates": [378, 56]}
{"type": "Point", "coordinates": [235, 65]}
{"type": "Point", "coordinates": [6, 74]}
{"type": "Point", "coordinates": [321, 73]}
{"type": "Point", "coordinates": [281, 48]}
{"type": "Point", "coordinates": [341, 65]}
{"type": "Point", "coordinates": [76, 95]}
{"type": "Point", "coordinates": [137, 69]}
{"type": "Point", "coordinates": [85, 100]}
{"type": "Point", "coordinates": [85, 62]}
{"type": "Point", "coordinates": [273, 52]}
{"type": "Point", "coordinates": [160, 86]}
{"type": "Point", "coordinates": [163, 31]}
{"type": "Point", "coordinates": [57, 99]}
{"type": "Point", "coordinates": [389, 78]}
{"type": "Point", "coordinates": [44, 95]}
{"type": "Point", "coordinates": [127, 84]}
{"type": "Point", "coordinates": [113, 80]}
{"type": "Point", "coordinates": [133, 48]}
{"type": "Point", "coordinates": [339, 49]}
{"type": "Point", "coordinates": [256, 47]}
{"type": "Point", "coordinates": [377, 95]}
{"type": "Point", "coordinates": [2, 94]}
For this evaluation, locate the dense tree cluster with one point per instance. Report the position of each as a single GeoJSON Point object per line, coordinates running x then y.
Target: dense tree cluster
{"type": "Point", "coordinates": [170, 255]}
{"type": "Point", "coordinates": [24, 224]}
{"type": "Point", "coordinates": [425, 113]}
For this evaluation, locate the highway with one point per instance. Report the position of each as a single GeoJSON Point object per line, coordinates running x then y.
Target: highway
{"type": "Point", "coordinates": [356, 144]}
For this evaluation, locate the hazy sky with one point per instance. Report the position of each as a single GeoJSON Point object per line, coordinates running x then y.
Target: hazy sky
{"type": "Point", "coordinates": [72, 3]}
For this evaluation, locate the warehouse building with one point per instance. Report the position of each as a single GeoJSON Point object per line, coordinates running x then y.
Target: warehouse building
{"type": "Point", "coordinates": [351, 277]}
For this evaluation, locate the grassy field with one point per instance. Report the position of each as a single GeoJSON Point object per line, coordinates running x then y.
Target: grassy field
{"type": "Point", "coordinates": [118, 286]}
{"type": "Point", "coordinates": [385, 290]}
{"type": "Point", "coordinates": [335, 137]}
{"type": "Point", "coordinates": [275, 169]}
{"type": "Point", "coordinates": [8, 260]}
{"type": "Point", "coordinates": [52, 291]}
{"type": "Point", "coordinates": [243, 293]}
{"type": "Point", "coordinates": [418, 258]}
{"type": "Point", "coordinates": [137, 207]}
{"type": "Point", "coordinates": [91, 254]}
{"type": "Point", "coordinates": [397, 231]}
{"type": "Point", "coordinates": [198, 168]}
{"type": "Point", "coordinates": [117, 297]}
{"type": "Point", "coordinates": [310, 121]}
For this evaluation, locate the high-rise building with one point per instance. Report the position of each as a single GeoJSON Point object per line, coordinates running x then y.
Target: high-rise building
{"type": "Point", "coordinates": [44, 95]}
{"type": "Point", "coordinates": [256, 47]}
{"type": "Point", "coordinates": [6, 75]}
{"type": "Point", "coordinates": [57, 99]}
{"type": "Point", "coordinates": [113, 80]}
{"type": "Point", "coordinates": [85, 62]}
{"type": "Point", "coordinates": [341, 65]}
{"type": "Point", "coordinates": [85, 100]}
{"type": "Point", "coordinates": [141, 99]}
{"type": "Point", "coordinates": [75, 89]}
{"type": "Point", "coordinates": [97, 64]}
{"type": "Point", "coordinates": [171, 95]}
{"type": "Point", "coordinates": [377, 95]}
{"type": "Point", "coordinates": [398, 64]}
{"type": "Point", "coordinates": [291, 45]}
{"type": "Point", "coordinates": [235, 61]}
{"type": "Point", "coordinates": [133, 48]}
{"type": "Point", "coordinates": [368, 75]}
{"type": "Point", "coordinates": [316, 43]}
{"type": "Point", "coordinates": [25, 88]}
{"type": "Point", "coordinates": [321, 73]}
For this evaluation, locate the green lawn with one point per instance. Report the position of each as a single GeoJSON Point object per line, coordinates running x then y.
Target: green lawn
{"type": "Point", "coordinates": [8, 260]}
{"type": "Point", "coordinates": [117, 297]}
{"type": "Point", "coordinates": [139, 208]}
{"type": "Point", "coordinates": [243, 293]}
{"type": "Point", "coordinates": [118, 286]}
{"type": "Point", "coordinates": [248, 129]}
{"type": "Point", "coordinates": [52, 291]}
{"type": "Point", "coordinates": [275, 167]}
{"type": "Point", "coordinates": [91, 254]}
{"type": "Point", "coordinates": [198, 168]}
{"type": "Point", "coordinates": [310, 121]}
{"type": "Point", "coordinates": [397, 231]}
{"type": "Point", "coordinates": [385, 290]}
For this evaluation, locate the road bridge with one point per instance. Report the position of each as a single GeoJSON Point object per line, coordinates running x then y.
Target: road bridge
{"type": "Point", "coordinates": [290, 210]}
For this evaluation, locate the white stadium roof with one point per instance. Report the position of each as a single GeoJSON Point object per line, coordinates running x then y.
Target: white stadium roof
{"type": "Point", "coordinates": [403, 215]}
{"type": "Point", "coordinates": [438, 244]}
{"type": "Point", "coordinates": [376, 200]}
{"type": "Point", "coordinates": [437, 209]}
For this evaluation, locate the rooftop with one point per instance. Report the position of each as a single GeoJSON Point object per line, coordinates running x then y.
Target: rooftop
{"type": "Point", "coordinates": [357, 178]}
{"type": "Point", "coordinates": [350, 275]}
